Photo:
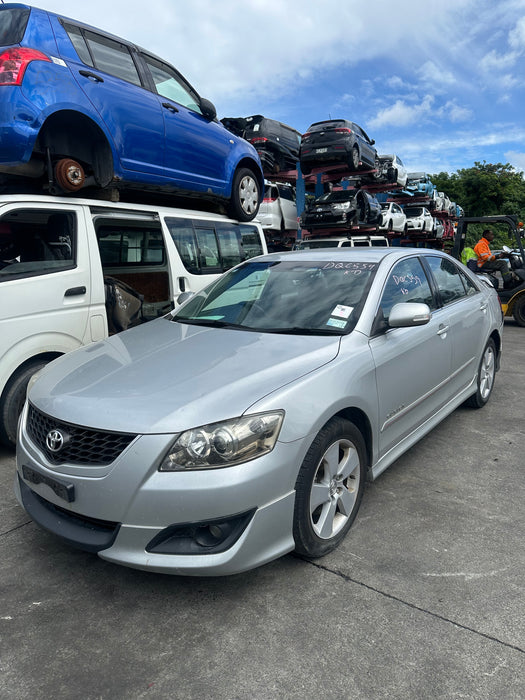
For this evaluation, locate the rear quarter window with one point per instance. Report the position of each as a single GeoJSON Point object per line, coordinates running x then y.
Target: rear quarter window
{"type": "Point", "coordinates": [13, 23]}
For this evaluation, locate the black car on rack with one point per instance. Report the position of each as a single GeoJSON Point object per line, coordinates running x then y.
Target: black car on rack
{"type": "Point", "coordinates": [344, 208]}
{"type": "Point", "coordinates": [335, 142]}
{"type": "Point", "coordinates": [276, 143]}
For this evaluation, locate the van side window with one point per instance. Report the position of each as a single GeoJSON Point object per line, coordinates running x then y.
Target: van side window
{"type": "Point", "coordinates": [127, 244]}
{"type": "Point", "coordinates": [251, 241]}
{"type": "Point", "coordinates": [36, 242]}
{"type": "Point", "coordinates": [213, 246]}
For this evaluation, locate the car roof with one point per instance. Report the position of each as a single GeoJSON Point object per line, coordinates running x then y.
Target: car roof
{"type": "Point", "coordinates": [367, 254]}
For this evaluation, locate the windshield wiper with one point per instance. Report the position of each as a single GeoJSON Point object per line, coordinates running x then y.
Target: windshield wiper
{"type": "Point", "coordinates": [296, 330]}
{"type": "Point", "coordinates": [211, 322]}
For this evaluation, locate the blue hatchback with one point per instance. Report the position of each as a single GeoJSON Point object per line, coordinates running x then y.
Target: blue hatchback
{"type": "Point", "coordinates": [83, 108]}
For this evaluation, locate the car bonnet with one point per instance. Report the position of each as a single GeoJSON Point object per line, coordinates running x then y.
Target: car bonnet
{"type": "Point", "coordinates": [166, 377]}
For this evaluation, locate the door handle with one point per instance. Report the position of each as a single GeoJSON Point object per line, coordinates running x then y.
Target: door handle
{"type": "Point", "coordinates": [75, 291]}
{"type": "Point", "coordinates": [171, 108]}
{"type": "Point", "coordinates": [483, 307]}
{"type": "Point", "coordinates": [443, 330]}
{"type": "Point", "coordinates": [92, 76]}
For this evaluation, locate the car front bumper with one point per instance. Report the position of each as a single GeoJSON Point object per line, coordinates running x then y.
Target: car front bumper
{"type": "Point", "coordinates": [141, 504]}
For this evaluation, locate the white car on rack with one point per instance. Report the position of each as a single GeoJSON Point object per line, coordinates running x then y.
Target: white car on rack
{"type": "Point", "coordinates": [419, 219]}
{"type": "Point", "coordinates": [278, 211]}
{"type": "Point", "coordinates": [393, 218]}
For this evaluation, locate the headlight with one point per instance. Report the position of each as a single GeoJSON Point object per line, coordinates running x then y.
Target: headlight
{"type": "Point", "coordinates": [341, 206]}
{"type": "Point", "coordinates": [224, 444]}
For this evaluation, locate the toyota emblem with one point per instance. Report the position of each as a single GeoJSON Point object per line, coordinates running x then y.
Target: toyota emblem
{"type": "Point", "coordinates": [54, 441]}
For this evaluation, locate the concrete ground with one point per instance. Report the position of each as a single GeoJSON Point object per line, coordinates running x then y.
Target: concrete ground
{"type": "Point", "coordinates": [424, 599]}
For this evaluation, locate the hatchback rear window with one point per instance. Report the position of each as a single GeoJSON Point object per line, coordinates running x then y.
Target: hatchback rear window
{"type": "Point", "coordinates": [13, 24]}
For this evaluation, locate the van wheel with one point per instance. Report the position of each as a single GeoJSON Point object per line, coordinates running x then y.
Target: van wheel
{"type": "Point", "coordinates": [329, 488]}
{"type": "Point", "coordinates": [70, 175]}
{"type": "Point", "coordinates": [244, 202]}
{"type": "Point", "coordinates": [13, 401]}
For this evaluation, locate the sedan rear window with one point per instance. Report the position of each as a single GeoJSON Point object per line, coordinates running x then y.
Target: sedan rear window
{"type": "Point", "coordinates": [13, 24]}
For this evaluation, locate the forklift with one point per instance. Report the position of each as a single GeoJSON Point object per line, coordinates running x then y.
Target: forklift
{"type": "Point", "coordinates": [512, 300]}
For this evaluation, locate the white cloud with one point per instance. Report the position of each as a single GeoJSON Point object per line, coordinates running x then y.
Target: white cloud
{"type": "Point", "coordinates": [517, 160]}
{"type": "Point", "coordinates": [402, 114]}
{"type": "Point", "coordinates": [436, 76]}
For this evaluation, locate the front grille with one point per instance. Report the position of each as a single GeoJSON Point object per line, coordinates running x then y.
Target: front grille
{"type": "Point", "coordinates": [80, 445]}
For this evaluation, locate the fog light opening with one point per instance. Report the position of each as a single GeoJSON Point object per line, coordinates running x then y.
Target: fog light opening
{"type": "Point", "coordinates": [213, 534]}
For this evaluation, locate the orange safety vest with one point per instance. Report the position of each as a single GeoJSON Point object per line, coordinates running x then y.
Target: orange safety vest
{"type": "Point", "coordinates": [482, 250]}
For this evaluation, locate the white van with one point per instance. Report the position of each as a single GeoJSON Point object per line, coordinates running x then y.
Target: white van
{"type": "Point", "coordinates": [364, 241]}
{"type": "Point", "coordinates": [73, 271]}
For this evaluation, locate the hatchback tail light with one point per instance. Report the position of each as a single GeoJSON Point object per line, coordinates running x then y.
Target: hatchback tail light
{"type": "Point", "coordinates": [13, 64]}
{"type": "Point", "coordinates": [307, 135]}
{"type": "Point", "coordinates": [343, 130]}
{"type": "Point", "coordinates": [269, 199]}
{"type": "Point", "coordinates": [258, 139]}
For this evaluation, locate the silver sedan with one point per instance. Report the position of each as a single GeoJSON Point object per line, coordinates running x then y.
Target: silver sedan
{"type": "Point", "coordinates": [243, 425]}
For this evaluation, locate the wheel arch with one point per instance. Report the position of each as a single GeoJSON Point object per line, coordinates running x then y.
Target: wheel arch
{"type": "Point", "coordinates": [71, 133]}
{"type": "Point", "coordinates": [362, 423]}
{"type": "Point", "coordinates": [40, 357]}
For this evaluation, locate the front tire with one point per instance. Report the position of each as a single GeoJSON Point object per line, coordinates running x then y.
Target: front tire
{"type": "Point", "coordinates": [329, 488]}
{"type": "Point", "coordinates": [518, 310]}
{"type": "Point", "coordinates": [245, 197]}
{"type": "Point", "coordinates": [13, 401]}
{"type": "Point", "coordinates": [485, 377]}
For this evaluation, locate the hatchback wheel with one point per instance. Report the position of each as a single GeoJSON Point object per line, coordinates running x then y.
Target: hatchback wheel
{"type": "Point", "coordinates": [329, 488]}
{"type": "Point", "coordinates": [244, 202]}
{"type": "Point", "coordinates": [485, 378]}
{"type": "Point", "coordinates": [354, 159]}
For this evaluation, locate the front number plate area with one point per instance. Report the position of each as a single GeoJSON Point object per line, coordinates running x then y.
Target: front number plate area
{"type": "Point", "coordinates": [62, 489]}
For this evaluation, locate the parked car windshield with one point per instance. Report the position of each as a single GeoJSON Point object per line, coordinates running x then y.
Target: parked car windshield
{"type": "Point", "coordinates": [300, 297]}
{"type": "Point", "coordinates": [413, 211]}
{"type": "Point", "coordinates": [337, 196]}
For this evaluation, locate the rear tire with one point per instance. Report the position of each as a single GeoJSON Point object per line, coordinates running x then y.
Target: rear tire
{"type": "Point", "coordinates": [13, 401]}
{"type": "Point", "coordinates": [485, 378]}
{"type": "Point", "coordinates": [354, 159]}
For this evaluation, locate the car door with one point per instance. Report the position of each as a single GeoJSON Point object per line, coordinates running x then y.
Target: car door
{"type": "Point", "coordinates": [197, 148]}
{"type": "Point", "coordinates": [467, 318]}
{"type": "Point", "coordinates": [46, 290]}
{"type": "Point", "coordinates": [368, 152]}
{"type": "Point", "coordinates": [398, 217]}
{"type": "Point", "coordinates": [412, 364]}
{"type": "Point", "coordinates": [106, 72]}
{"type": "Point", "coordinates": [288, 207]}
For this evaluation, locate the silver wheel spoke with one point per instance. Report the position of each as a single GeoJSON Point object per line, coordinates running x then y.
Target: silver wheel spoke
{"type": "Point", "coordinates": [331, 460]}
{"type": "Point", "coordinates": [346, 501]}
{"type": "Point", "coordinates": [320, 494]}
{"type": "Point", "coordinates": [325, 524]}
{"type": "Point", "coordinates": [350, 464]}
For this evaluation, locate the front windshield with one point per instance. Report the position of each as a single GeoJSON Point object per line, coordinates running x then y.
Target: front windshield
{"type": "Point", "coordinates": [336, 196]}
{"type": "Point", "coordinates": [306, 297]}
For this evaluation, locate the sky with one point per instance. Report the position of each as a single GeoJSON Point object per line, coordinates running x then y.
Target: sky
{"type": "Point", "coordinates": [441, 83]}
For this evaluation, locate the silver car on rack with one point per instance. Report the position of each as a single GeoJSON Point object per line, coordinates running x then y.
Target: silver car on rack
{"type": "Point", "coordinates": [243, 425]}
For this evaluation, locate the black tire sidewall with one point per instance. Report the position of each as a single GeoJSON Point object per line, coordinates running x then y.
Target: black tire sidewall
{"type": "Point", "coordinates": [13, 401]}
{"type": "Point", "coordinates": [235, 209]}
{"type": "Point", "coordinates": [518, 310]}
{"type": "Point", "coordinates": [307, 543]}
{"type": "Point", "coordinates": [476, 400]}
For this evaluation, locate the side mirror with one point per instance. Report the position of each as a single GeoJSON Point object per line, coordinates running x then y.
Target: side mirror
{"type": "Point", "coordinates": [208, 109]}
{"type": "Point", "coordinates": [409, 314]}
{"type": "Point", "coordinates": [184, 297]}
